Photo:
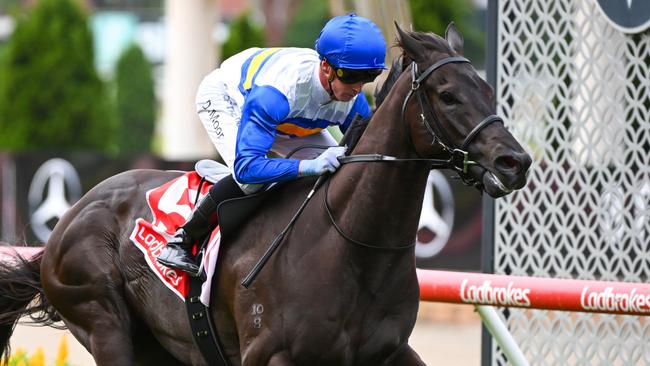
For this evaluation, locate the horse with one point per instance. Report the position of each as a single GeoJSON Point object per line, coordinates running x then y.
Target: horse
{"type": "Point", "coordinates": [342, 290]}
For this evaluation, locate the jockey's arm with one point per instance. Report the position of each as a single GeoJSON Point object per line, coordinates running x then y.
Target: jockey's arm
{"type": "Point", "coordinates": [265, 107]}
{"type": "Point", "coordinates": [360, 106]}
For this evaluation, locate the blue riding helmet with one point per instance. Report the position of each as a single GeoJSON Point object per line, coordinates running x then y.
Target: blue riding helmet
{"type": "Point", "coordinates": [352, 42]}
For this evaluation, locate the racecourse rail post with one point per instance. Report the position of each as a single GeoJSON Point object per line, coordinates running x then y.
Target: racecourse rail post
{"type": "Point", "coordinates": [501, 334]}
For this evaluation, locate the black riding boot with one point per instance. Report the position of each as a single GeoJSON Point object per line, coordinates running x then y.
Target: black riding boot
{"type": "Point", "coordinates": [178, 252]}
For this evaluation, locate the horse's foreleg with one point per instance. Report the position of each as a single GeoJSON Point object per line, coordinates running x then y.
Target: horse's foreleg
{"type": "Point", "coordinates": [112, 345]}
{"type": "Point", "coordinates": [281, 359]}
{"type": "Point", "coordinates": [104, 334]}
{"type": "Point", "coordinates": [406, 356]}
{"type": "Point", "coordinates": [263, 350]}
{"type": "Point", "coordinates": [85, 288]}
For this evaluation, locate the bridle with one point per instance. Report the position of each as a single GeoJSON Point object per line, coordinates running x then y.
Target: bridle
{"type": "Point", "coordinates": [458, 156]}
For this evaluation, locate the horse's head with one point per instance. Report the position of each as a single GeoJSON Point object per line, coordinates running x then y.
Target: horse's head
{"type": "Point", "coordinates": [451, 110]}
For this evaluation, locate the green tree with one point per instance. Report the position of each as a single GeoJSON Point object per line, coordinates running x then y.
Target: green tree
{"type": "Point", "coordinates": [304, 28]}
{"type": "Point", "coordinates": [136, 102]}
{"type": "Point", "coordinates": [243, 34]}
{"type": "Point", "coordinates": [53, 97]}
{"type": "Point", "coordinates": [7, 6]}
{"type": "Point", "coordinates": [434, 16]}
{"type": "Point", "coordinates": [3, 71]}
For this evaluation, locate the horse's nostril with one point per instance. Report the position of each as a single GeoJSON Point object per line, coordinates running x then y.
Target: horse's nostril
{"type": "Point", "coordinates": [506, 162]}
{"type": "Point", "coordinates": [514, 163]}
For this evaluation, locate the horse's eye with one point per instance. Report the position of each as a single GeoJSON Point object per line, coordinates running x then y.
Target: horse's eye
{"type": "Point", "coordinates": [448, 98]}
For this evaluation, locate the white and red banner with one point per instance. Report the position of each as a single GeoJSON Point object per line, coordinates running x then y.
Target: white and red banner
{"type": "Point", "coordinates": [170, 205]}
{"type": "Point", "coordinates": [535, 292]}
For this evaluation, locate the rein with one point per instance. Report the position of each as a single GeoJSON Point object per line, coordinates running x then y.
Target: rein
{"type": "Point", "coordinates": [379, 158]}
{"type": "Point", "coordinates": [350, 239]}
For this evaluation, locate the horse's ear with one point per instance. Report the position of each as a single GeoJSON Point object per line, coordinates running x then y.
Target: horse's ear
{"type": "Point", "coordinates": [411, 46]}
{"type": "Point", "coordinates": [454, 38]}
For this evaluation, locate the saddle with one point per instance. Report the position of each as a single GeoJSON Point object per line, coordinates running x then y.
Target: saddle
{"type": "Point", "coordinates": [232, 212]}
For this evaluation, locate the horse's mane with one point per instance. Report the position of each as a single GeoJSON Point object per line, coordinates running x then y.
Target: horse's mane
{"type": "Point", "coordinates": [430, 41]}
{"type": "Point", "coordinates": [394, 73]}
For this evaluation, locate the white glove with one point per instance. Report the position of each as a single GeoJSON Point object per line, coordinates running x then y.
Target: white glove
{"type": "Point", "coordinates": [325, 162]}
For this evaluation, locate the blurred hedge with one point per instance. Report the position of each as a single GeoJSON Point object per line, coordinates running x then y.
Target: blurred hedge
{"type": "Point", "coordinates": [434, 16]}
{"type": "Point", "coordinates": [242, 34]}
{"type": "Point", "coordinates": [136, 102]}
{"type": "Point", "coordinates": [305, 27]}
{"type": "Point", "coordinates": [51, 96]}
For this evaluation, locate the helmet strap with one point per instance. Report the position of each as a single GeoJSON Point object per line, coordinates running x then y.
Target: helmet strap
{"type": "Point", "coordinates": [330, 79]}
{"type": "Point", "coordinates": [331, 91]}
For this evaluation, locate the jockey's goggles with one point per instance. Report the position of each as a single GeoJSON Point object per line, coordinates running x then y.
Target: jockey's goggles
{"type": "Point", "coordinates": [353, 76]}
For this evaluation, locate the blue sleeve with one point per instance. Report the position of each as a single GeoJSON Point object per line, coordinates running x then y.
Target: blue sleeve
{"type": "Point", "coordinates": [360, 106]}
{"type": "Point", "coordinates": [264, 108]}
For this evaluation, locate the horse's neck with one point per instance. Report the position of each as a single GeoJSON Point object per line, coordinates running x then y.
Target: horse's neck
{"type": "Point", "coordinates": [380, 202]}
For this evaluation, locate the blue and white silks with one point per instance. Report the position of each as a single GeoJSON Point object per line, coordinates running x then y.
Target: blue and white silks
{"type": "Point", "coordinates": [270, 97]}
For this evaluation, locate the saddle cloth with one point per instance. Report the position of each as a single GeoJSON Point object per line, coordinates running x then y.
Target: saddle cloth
{"type": "Point", "coordinates": [170, 205]}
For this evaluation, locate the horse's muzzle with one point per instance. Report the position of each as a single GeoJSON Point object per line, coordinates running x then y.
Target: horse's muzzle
{"type": "Point", "coordinates": [508, 173]}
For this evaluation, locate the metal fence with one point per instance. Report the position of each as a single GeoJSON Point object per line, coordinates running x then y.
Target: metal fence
{"type": "Point", "coordinates": [577, 92]}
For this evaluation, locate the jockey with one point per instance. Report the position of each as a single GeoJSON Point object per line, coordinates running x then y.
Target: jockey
{"type": "Point", "coordinates": [273, 100]}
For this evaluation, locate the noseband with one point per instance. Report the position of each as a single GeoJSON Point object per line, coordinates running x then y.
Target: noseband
{"type": "Point", "coordinates": [458, 156]}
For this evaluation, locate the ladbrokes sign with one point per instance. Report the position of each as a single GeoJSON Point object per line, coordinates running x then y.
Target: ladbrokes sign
{"type": "Point", "coordinates": [611, 301]}
{"type": "Point", "coordinates": [489, 294]}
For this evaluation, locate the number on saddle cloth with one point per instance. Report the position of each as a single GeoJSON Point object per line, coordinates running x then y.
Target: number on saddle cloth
{"type": "Point", "coordinates": [233, 212]}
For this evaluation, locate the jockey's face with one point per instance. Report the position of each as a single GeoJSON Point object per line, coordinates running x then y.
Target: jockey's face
{"type": "Point", "coordinates": [345, 92]}
{"type": "Point", "coordinates": [340, 91]}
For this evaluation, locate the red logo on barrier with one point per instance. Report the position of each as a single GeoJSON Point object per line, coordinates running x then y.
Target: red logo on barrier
{"type": "Point", "coordinates": [494, 295]}
{"type": "Point", "coordinates": [610, 301]}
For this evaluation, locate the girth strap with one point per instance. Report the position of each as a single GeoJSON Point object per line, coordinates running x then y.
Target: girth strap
{"type": "Point", "coordinates": [202, 326]}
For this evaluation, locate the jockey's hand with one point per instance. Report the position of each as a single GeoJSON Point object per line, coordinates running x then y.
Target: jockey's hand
{"type": "Point", "coordinates": [325, 162]}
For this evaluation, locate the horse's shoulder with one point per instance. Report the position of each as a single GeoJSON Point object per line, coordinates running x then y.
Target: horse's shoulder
{"type": "Point", "coordinates": [289, 193]}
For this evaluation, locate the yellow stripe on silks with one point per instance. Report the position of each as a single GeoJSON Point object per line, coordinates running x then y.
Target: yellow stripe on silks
{"type": "Point", "coordinates": [255, 64]}
{"type": "Point", "coordinates": [291, 129]}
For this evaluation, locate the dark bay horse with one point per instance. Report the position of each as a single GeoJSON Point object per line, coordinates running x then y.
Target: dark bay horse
{"type": "Point", "coordinates": [323, 299]}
